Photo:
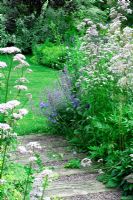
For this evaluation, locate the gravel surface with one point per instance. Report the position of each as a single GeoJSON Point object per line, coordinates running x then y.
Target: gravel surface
{"type": "Point", "coordinates": [77, 177]}
{"type": "Point", "coordinates": [98, 196]}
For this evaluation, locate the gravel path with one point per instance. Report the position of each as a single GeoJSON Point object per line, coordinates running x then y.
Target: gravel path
{"type": "Point", "coordinates": [69, 184]}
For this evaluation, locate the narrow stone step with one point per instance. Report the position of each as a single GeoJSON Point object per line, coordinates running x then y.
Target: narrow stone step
{"type": "Point", "coordinates": [80, 187]}
{"type": "Point", "coordinates": [113, 195]}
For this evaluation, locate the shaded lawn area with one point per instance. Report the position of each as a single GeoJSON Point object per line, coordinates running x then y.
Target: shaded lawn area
{"type": "Point", "coordinates": [40, 79]}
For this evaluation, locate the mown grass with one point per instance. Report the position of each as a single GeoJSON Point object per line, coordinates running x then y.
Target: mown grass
{"type": "Point", "coordinates": [40, 79]}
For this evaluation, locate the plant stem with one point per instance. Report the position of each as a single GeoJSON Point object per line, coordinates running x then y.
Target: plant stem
{"type": "Point", "coordinates": [7, 82]}
{"type": "Point", "coordinates": [27, 181]}
{"type": "Point", "coordinates": [44, 187]}
{"type": "Point", "coordinates": [3, 161]}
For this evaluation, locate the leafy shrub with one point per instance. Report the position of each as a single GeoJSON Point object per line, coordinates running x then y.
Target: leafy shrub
{"type": "Point", "coordinates": [73, 164]}
{"type": "Point", "coordinates": [50, 54]}
{"type": "Point", "coordinates": [118, 170]}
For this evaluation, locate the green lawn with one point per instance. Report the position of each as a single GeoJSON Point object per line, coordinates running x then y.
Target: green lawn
{"type": "Point", "coordinates": [40, 79]}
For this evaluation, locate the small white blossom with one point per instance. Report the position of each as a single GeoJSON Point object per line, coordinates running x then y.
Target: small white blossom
{"type": "Point", "coordinates": [4, 127]}
{"type": "Point", "coordinates": [100, 171]}
{"type": "Point", "coordinates": [17, 116]}
{"type": "Point", "coordinates": [86, 162]}
{"type": "Point", "coordinates": [3, 64]}
{"type": "Point", "coordinates": [22, 80]}
{"type": "Point", "coordinates": [21, 87]}
{"type": "Point", "coordinates": [100, 160]}
{"type": "Point", "coordinates": [12, 104]}
{"type": "Point", "coordinates": [22, 150]}
{"type": "Point", "coordinates": [34, 145]}
{"type": "Point", "coordinates": [46, 172]}
{"type": "Point", "coordinates": [19, 57]}
{"type": "Point", "coordinates": [32, 159]}
{"type": "Point", "coordinates": [29, 70]}
{"type": "Point", "coordinates": [10, 50]}
{"type": "Point", "coordinates": [2, 181]}
{"type": "Point", "coordinates": [23, 112]}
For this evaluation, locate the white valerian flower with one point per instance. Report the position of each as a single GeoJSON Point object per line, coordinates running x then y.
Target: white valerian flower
{"type": "Point", "coordinates": [12, 104]}
{"type": "Point", "coordinates": [86, 162]}
{"type": "Point", "coordinates": [23, 112]}
{"type": "Point", "coordinates": [22, 150]}
{"type": "Point", "coordinates": [100, 171]}
{"type": "Point", "coordinates": [47, 172]}
{"type": "Point", "coordinates": [29, 70]}
{"type": "Point", "coordinates": [17, 116]}
{"type": "Point", "coordinates": [19, 57]}
{"type": "Point", "coordinates": [21, 87]}
{"type": "Point", "coordinates": [3, 64]}
{"type": "Point", "coordinates": [3, 108]}
{"type": "Point", "coordinates": [10, 50]}
{"type": "Point", "coordinates": [4, 127]}
{"type": "Point", "coordinates": [22, 80]}
{"type": "Point", "coordinates": [2, 181]}
{"type": "Point", "coordinates": [20, 66]}
{"type": "Point", "coordinates": [32, 159]}
{"type": "Point", "coordinates": [100, 160]}
{"type": "Point", "coordinates": [34, 145]}
{"type": "Point", "coordinates": [24, 63]}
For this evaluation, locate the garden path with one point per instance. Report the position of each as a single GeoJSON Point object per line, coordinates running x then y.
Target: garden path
{"type": "Point", "coordinates": [69, 184]}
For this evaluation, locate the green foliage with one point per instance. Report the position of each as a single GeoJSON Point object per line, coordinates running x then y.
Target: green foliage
{"type": "Point", "coordinates": [50, 54]}
{"type": "Point", "coordinates": [98, 152]}
{"type": "Point", "coordinates": [15, 179]}
{"type": "Point", "coordinates": [73, 164]}
{"type": "Point", "coordinates": [118, 167]}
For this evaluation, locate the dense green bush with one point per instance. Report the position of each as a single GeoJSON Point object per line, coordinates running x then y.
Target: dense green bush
{"type": "Point", "coordinates": [31, 22]}
{"type": "Point", "coordinates": [50, 54]}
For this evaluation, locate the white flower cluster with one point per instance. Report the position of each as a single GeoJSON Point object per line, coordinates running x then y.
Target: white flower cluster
{"type": "Point", "coordinates": [30, 148]}
{"type": "Point", "coordinates": [22, 80]}
{"type": "Point", "coordinates": [3, 64]}
{"type": "Point", "coordinates": [20, 114]}
{"type": "Point", "coordinates": [114, 51]}
{"type": "Point", "coordinates": [6, 131]}
{"type": "Point", "coordinates": [10, 105]}
{"type": "Point", "coordinates": [21, 87]}
{"type": "Point", "coordinates": [21, 59]}
{"type": "Point", "coordinates": [37, 187]}
{"type": "Point", "coordinates": [4, 127]}
{"type": "Point", "coordinates": [124, 5]}
{"type": "Point", "coordinates": [10, 50]}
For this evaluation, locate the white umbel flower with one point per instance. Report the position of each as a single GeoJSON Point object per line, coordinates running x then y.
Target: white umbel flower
{"type": "Point", "coordinates": [3, 64]}
{"type": "Point", "coordinates": [21, 87]}
{"type": "Point", "coordinates": [10, 50]}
